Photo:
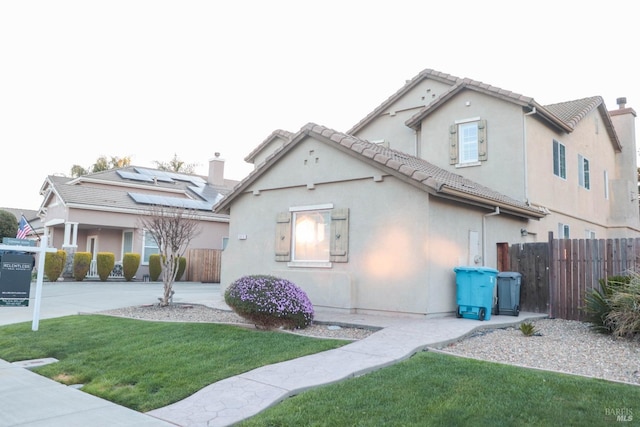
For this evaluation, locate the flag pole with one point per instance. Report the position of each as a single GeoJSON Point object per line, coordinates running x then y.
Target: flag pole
{"type": "Point", "coordinates": [30, 226]}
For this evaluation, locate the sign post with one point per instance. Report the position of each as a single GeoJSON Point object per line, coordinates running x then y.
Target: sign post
{"type": "Point", "coordinates": [21, 246]}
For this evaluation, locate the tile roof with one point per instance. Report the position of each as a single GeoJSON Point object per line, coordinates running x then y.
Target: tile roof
{"type": "Point", "coordinates": [409, 168]}
{"type": "Point", "coordinates": [278, 133]}
{"type": "Point", "coordinates": [564, 116]}
{"type": "Point", "coordinates": [572, 112]}
{"type": "Point", "coordinates": [409, 84]}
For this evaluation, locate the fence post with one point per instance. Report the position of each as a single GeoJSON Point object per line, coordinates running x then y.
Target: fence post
{"type": "Point", "coordinates": [553, 277]}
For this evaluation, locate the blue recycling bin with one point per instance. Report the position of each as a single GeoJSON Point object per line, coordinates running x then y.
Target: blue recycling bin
{"type": "Point", "coordinates": [474, 291]}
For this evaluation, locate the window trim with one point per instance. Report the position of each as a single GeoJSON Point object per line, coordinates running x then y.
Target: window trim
{"type": "Point", "coordinates": [564, 231]}
{"type": "Point", "coordinates": [338, 236]}
{"type": "Point", "coordinates": [584, 174]}
{"type": "Point", "coordinates": [144, 259]}
{"type": "Point", "coordinates": [455, 144]}
{"type": "Point", "coordinates": [294, 232]}
{"type": "Point", "coordinates": [559, 159]}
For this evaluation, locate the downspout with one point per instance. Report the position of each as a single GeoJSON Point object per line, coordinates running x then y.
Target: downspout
{"type": "Point", "coordinates": [524, 153]}
{"type": "Point", "coordinates": [484, 238]}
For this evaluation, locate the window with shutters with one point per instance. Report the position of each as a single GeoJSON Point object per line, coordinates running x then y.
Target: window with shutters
{"type": "Point", "coordinates": [312, 236]}
{"type": "Point", "coordinates": [468, 142]}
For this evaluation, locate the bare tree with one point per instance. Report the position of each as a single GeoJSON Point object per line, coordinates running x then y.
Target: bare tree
{"type": "Point", "coordinates": [173, 228]}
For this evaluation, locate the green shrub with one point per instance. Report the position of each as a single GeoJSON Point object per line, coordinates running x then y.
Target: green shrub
{"type": "Point", "coordinates": [155, 267]}
{"type": "Point", "coordinates": [528, 329]}
{"type": "Point", "coordinates": [623, 319]}
{"type": "Point", "coordinates": [182, 266]}
{"type": "Point", "coordinates": [130, 264]}
{"type": "Point", "coordinates": [270, 302]}
{"type": "Point", "coordinates": [54, 264]}
{"type": "Point", "coordinates": [597, 302]}
{"type": "Point", "coordinates": [81, 265]}
{"type": "Point", "coordinates": [105, 263]}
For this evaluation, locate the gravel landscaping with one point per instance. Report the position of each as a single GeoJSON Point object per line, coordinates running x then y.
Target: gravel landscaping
{"type": "Point", "coordinates": [200, 313]}
{"type": "Point", "coordinates": [558, 345]}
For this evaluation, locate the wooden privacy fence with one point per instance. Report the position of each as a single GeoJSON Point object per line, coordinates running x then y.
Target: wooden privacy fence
{"type": "Point", "coordinates": [557, 275]}
{"type": "Point", "coordinates": [203, 265]}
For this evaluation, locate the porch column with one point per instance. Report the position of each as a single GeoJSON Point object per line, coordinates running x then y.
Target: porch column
{"type": "Point", "coordinates": [70, 235]}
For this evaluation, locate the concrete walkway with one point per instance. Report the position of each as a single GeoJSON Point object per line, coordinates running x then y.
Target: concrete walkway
{"type": "Point", "coordinates": [225, 402]}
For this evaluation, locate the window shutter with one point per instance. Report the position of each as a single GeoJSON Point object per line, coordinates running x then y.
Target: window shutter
{"type": "Point", "coordinates": [339, 250]}
{"type": "Point", "coordinates": [453, 144]}
{"type": "Point", "coordinates": [482, 140]}
{"type": "Point", "coordinates": [283, 236]}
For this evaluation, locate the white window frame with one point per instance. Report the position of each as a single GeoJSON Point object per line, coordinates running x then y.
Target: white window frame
{"type": "Point", "coordinates": [148, 249]}
{"type": "Point", "coordinates": [325, 211]}
{"type": "Point", "coordinates": [564, 231]}
{"type": "Point", "coordinates": [589, 234]}
{"type": "Point", "coordinates": [606, 185]}
{"type": "Point", "coordinates": [468, 145]}
{"type": "Point", "coordinates": [559, 159]}
{"type": "Point", "coordinates": [584, 179]}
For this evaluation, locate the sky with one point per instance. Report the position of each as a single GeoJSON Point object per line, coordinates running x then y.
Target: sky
{"type": "Point", "coordinates": [153, 79]}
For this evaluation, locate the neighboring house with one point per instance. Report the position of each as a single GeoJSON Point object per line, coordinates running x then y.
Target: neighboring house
{"type": "Point", "coordinates": [446, 172]}
{"type": "Point", "coordinates": [100, 212]}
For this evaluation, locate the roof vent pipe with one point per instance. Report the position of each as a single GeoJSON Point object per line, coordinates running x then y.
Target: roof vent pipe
{"type": "Point", "coordinates": [621, 102]}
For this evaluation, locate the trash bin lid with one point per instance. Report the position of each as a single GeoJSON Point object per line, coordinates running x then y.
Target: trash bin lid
{"type": "Point", "coordinates": [509, 274]}
{"type": "Point", "coordinates": [470, 268]}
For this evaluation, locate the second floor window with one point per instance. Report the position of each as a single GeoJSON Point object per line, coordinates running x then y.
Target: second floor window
{"type": "Point", "coordinates": [559, 161]}
{"type": "Point", "coordinates": [583, 172]}
{"type": "Point", "coordinates": [468, 142]}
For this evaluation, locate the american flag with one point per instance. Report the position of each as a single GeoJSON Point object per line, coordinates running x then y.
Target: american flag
{"type": "Point", "coordinates": [24, 228]}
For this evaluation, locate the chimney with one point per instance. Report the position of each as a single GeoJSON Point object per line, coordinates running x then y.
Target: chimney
{"type": "Point", "coordinates": [621, 103]}
{"type": "Point", "coordinates": [216, 171]}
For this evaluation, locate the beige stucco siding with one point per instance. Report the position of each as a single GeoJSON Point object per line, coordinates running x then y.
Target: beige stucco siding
{"type": "Point", "coordinates": [580, 208]}
{"type": "Point", "coordinates": [403, 243]}
{"type": "Point", "coordinates": [502, 171]}
{"type": "Point", "coordinates": [387, 256]}
{"type": "Point", "coordinates": [389, 125]}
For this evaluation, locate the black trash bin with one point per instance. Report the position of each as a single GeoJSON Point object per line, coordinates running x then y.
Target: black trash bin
{"type": "Point", "coordinates": [509, 293]}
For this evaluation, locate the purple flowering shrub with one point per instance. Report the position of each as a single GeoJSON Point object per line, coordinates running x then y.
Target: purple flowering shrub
{"type": "Point", "coordinates": [270, 302]}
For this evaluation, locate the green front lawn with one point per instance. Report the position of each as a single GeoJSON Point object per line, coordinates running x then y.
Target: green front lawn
{"type": "Point", "coordinates": [432, 389]}
{"type": "Point", "coordinates": [147, 365]}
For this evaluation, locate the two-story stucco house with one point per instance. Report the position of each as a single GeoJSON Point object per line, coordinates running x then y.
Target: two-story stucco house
{"type": "Point", "coordinates": [100, 212]}
{"type": "Point", "coordinates": [445, 172]}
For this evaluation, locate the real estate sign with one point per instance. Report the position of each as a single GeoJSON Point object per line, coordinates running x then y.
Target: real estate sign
{"type": "Point", "coordinates": [15, 279]}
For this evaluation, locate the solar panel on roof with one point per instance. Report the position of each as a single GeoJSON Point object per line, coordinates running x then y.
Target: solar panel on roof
{"type": "Point", "coordinates": [177, 202]}
{"type": "Point", "coordinates": [134, 176]}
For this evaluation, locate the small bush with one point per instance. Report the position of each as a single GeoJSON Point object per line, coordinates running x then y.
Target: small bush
{"type": "Point", "coordinates": [81, 265]}
{"type": "Point", "coordinates": [528, 329]}
{"type": "Point", "coordinates": [155, 267]}
{"type": "Point", "coordinates": [54, 264]}
{"type": "Point", "coordinates": [597, 302]}
{"type": "Point", "coordinates": [270, 302]}
{"type": "Point", "coordinates": [105, 263]}
{"type": "Point", "coordinates": [130, 265]}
